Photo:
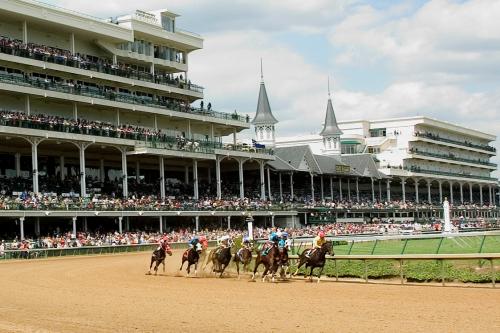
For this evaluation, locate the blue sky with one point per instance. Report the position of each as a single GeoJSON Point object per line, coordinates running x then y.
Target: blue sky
{"type": "Point", "coordinates": [438, 58]}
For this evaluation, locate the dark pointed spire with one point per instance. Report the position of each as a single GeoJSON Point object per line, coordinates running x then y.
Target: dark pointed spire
{"type": "Point", "coordinates": [330, 127]}
{"type": "Point", "coordinates": [264, 115]}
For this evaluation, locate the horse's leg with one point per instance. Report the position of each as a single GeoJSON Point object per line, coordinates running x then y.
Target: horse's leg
{"type": "Point", "coordinates": [183, 261]}
{"type": "Point", "coordinates": [311, 273]}
{"type": "Point", "coordinates": [320, 272]}
{"type": "Point", "coordinates": [163, 262]}
{"type": "Point", "coordinates": [150, 265]}
{"type": "Point", "coordinates": [301, 262]}
{"type": "Point", "coordinates": [266, 269]}
{"type": "Point", "coordinates": [157, 263]}
{"type": "Point", "coordinates": [238, 268]}
{"type": "Point", "coordinates": [257, 264]}
{"type": "Point", "coordinates": [195, 267]}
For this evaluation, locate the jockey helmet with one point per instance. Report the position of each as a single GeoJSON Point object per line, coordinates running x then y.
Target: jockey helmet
{"type": "Point", "coordinates": [284, 235]}
{"type": "Point", "coordinates": [321, 234]}
{"type": "Point", "coordinates": [202, 238]}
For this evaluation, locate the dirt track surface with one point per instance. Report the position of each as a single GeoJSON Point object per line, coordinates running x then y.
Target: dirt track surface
{"type": "Point", "coordinates": [113, 294]}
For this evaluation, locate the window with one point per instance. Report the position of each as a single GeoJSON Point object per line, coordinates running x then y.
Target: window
{"type": "Point", "coordinates": [167, 23]}
{"type": "Point", "coordinates": [376, 132]}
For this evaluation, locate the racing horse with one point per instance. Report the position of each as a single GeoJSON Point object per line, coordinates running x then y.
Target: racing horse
{"type": "Point", "coordinates": [283, 264]}
{"type": "Point", "coordinates": [192, 256]}
{"type": "Point", "coordinates": [270, 260]}
{"type": "Point", "coordinates": [220, 260]}
{"type": "Point", "coordinates": [158, 257]}
{"type": "Point", "coordinates": [316, 260]}
{"type": "Point", "coordinates": [243, 256]}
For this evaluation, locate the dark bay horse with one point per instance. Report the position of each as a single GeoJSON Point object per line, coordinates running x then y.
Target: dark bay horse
{"type": "Point", "coordinates": [192, 256]}
{"type": "Point", "coordinates": [283, 264]}
{"type": "Point", "coordinates": [158, 257]}
{"type": "Point", "coordinates": [220, 260]}
{"type": "Point", "coordinates": [270, 262]}
{"type": "Point", "coordinates": [317, 259]}
{"type": "Point", "coordinates": [243, 256]}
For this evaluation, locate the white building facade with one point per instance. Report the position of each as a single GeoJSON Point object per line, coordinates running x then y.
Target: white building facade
{"type": "Point", "coordinates": [426, 159]}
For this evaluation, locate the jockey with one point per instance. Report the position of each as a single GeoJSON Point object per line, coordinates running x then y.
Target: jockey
{"type": "Point", "coordinates": [317, 243]}
{"type": "Point", "coordinates": [272, 241]}
{"type": "Point", "coordinates": [224, 242]}
{"type": "Point", "coordinates": [194, 242]}
{"type": "Point", "coordinates": [163, 243]}
{"type": "Point", "coordinates": [287, 243]}
{"type": "Point", "coordinates": [246, 243]}
{"type": "Point", "coordinates": [204, 242]}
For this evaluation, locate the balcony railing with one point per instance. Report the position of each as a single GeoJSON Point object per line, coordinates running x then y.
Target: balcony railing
{"type": "Point", "coordinates": [450, 157]}
{"type": "Point", "coordinates": [159, 141]}
{"type": "Point", "coordinates": [456, 142]}
{"type": "Point", "coordinates": [445, 173]}
{"type": "Point", "coordinates": [112, 95]}
{"type": "Point", "coordinates": [100, 66]}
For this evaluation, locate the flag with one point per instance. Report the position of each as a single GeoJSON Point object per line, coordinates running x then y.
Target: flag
{"type": "Point", "coordinates": [257, 145]}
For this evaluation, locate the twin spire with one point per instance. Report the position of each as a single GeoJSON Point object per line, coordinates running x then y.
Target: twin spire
{"type": "Point", "coordinates": [264, 115]}
{"type": "Point", "coordinates": [330, 127]}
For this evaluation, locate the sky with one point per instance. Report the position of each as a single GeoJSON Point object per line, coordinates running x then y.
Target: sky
{"type": "Point", "coordinates": [385, 58]}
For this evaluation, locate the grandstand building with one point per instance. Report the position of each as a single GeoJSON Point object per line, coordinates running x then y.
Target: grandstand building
{"type": "Point", "coordinates": [93, 85]}
{"type": "Point", "coordinates": [422, 159]}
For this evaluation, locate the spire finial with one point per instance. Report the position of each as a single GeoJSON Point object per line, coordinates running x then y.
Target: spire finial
{"type": "Point", "coordinates": [261, 71]}
{"type": "Point", "coordinates": [328, 85]}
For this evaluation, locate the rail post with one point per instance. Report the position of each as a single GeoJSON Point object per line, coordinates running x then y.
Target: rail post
{"type": "Point", "coordinates": [404, 246]}
{"type": "Point", "coordinates": [439, 246]}
{"type": "Point", "coordinates": [442, 271]}
{"type": "Point", "coordinates": [350, 247]}
{"type": "Point", "coordinates": [374, 246]}
{"type": "Point", "coordinates": [336, 270]}
{"type": "Point", "coordinates": [401, 274]}
{"type": "Point", "coordinates": [366, 270]}
{"type": "Point", "coordinates": [482, 244]}
{"type": "Point", "coordinates": [493, 275]}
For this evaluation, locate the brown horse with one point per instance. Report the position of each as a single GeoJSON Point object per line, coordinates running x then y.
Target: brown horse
{"type": "Point", "coordinates": [220, 260]}
{"type": "Point", "coordinates": [316, 260]}
{"type": "Point", "coordinates": [270, 261]}
{"type": "Point", "coordinates": [283, 263]}
{"type": "Point", "coordinates": [192, 256]}
{"type": "Point", "coordinates": [158, 257]}
{"type": "Point", "coordinates": [243, 256]}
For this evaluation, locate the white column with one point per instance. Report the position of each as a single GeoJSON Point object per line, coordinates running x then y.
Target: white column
{"type": "Point", "coordinates": [102, 171]}
{"type": "Point", "coordinates": [470, 193]}
{"type": "Point", "coordinates": [373, 190]}
{"type": "Point", "coordinates": [21, 227]}
{"type": "Point", "coordinates": [321, 187]}
{"type": "Point", "coordinates": [242, 185]}
{"type": "Point", "coordinates": [262, 181]}
{"type": "Point", "coordinates": [124, 172]}
{"type": "Point", "coordinates": [312, 187]}
{"type": "Point", "coordinates": [281, 187]}
{"type": "Point", "coordinates": [25, 32]}
{"type": "Point", "coordinates": [17, 157]}
{"type": "Point", "coordinates": [27, 105]}
{"type": "Point", "coordinates": [117, 117]}
{"type": "Point", "coordinates": [74, 226]}
{"type": "Point", "coordinates": [83, 185]}
{"type": "Point", "coordinates": [120, 224]}
{"type": "Point", "coordinates": [75, 111]}
{"type": "Point", "coordinates": [357, 189]}
{"type": "Point", "coordinates": [156, 122]}
{"type": "Point", "coordinates": [212, 133]}
{"type": "Point", "coordinates": [229, 222]}
{"type": "Point", "coordinates": [416, 190]}
{"type": "Point", "coordinates": [291, 186]}
{"type": "Point", "coordinates": [388, 188]}
{"type": "Point", "coordinates": [72, 43]}
{"type": "Point", "coordinates": [429, 196]}
{"type": "Point", "coordinates": [331, 188]}
{"type": "Point", "coordinates": [217, 177]}
{"type": "Point", "coordinates": [197, 220]}
{"type": "Point", "coordinates": [340, 189]}
{"type": "Point", "coordinates": [161, 224]}
{"type": "Point", "coordinates": [440, 191]}
{"type": "Point", "coordinates": [272, 221]}
{"type": "Point", "coordinates": [451, 192]}
{"type": "Point", "coordinates": [403, 189]}
{"type": "Point", "coordinates": [234, 136]}
{"type": "Point", "coordinates": [461, 192]}
{"type": "Point", "coordinates": [269, 194]}
{"type": "Point", "coordinates": [34, 162]}
{"type": "Point", "coordinates": [162, 176]}
{"type": "Point", "coordinates": [188, 129]}
{"type": "Point", "coordinates": [195, 180]}
{"type": "Point", "coordinates": [137, 170]}
{"type": "Point", "coordinates": [380, 189]}
{"type": "Point", "coordinates": [481, 194]}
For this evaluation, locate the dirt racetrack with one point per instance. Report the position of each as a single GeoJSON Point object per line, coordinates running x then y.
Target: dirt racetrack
{"type": "Point", "coordinates": [113, 294]}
